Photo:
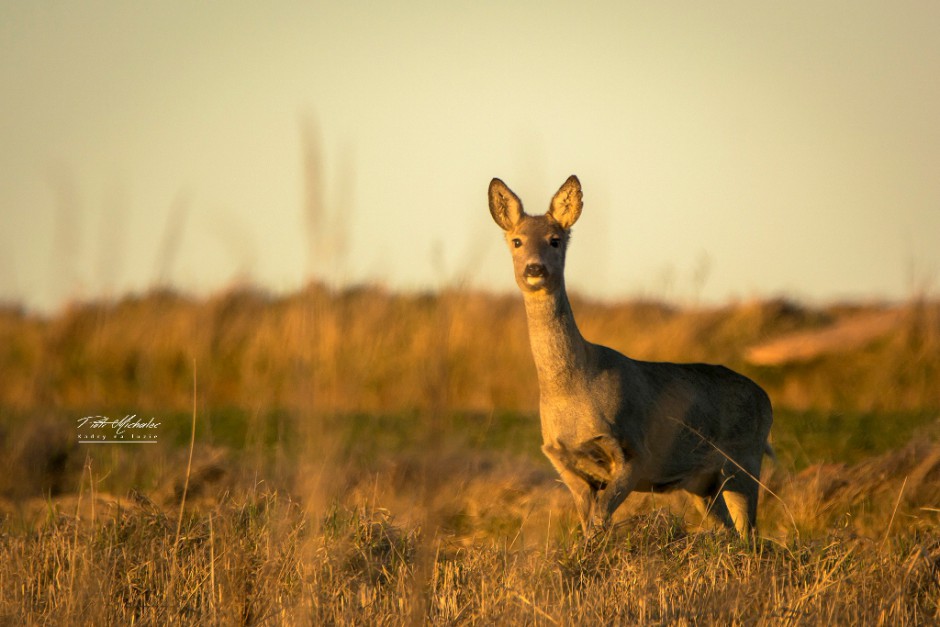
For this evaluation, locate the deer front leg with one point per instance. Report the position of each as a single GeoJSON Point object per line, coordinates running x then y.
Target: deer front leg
{"type": "Point", "coordinates": [623, 480]}
{"type": "Point", "coordinates": [584, 495]}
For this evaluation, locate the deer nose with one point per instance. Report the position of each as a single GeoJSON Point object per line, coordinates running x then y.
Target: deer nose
{"type": "Point", "coordinates": [535, 270]}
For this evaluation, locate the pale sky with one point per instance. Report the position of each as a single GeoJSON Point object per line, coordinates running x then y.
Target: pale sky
{"type": "Point", "coordinates": [726, 149]}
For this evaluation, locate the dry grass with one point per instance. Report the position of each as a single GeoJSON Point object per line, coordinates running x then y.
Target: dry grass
{"type": "Point", "coordinates": [367, 350]}
{"type": "Point", "coordinates": [264, 558]}
{"type": "Point", "coordinates": [372, 458]}
{"type": "Point", "coordinates": [416, 527]}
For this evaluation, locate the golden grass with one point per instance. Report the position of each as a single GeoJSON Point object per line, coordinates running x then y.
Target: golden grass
{"type": "Point", "coordinates": [368, 350]}
{"type": "Point", "coordinates": [438, 529]}
{"type": "Point", "coordinates": [263, 558]}
{"type": "Point", "coordinates": [389, 471]}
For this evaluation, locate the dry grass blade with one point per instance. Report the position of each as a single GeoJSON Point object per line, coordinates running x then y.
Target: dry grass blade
{"type": "Point", "coordinates": [189, 464]}
{"type": "Point", "coordinates": [894, 512]}
{"type": "Point", "coordinates": [213, 605]}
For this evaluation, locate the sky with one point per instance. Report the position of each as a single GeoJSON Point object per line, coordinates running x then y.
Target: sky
{"type": "Point", "coordinates": [727, 150]}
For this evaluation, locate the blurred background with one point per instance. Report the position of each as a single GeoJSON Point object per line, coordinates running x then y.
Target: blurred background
{"type": "Point", "coordinates": [265, 226]}
{"type": "Point", "coordinates": [727, 151]}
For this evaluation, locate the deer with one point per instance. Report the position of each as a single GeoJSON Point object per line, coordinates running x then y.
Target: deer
{"type": "Point", "coordinates": [612, 425]}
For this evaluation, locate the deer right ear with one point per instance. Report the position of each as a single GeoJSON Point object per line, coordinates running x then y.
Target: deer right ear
{"type": "Point", "coordinates": [505, 206]}
{"type": "Point", "coordinates": [566, 205]}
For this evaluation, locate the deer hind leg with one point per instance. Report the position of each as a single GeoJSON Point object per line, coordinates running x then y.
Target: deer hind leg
{"type": "Point", "coordinates": [740, 492]}
{"type": "Point", "coordinates": [713, 506]}
{"type": "Point", "coordinates": [706, 496]}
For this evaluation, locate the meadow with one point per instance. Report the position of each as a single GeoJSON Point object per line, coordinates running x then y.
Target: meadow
{"type": "Point", "coordinates": [358, 456]}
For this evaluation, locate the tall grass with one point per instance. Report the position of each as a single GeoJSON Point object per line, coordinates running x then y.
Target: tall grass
{"type": "Point", "coordinates": [260, 559]}
{"type": "Point", "coordinates": [372, 458]}
{"type": "Point", "coordinates": [367, 350]}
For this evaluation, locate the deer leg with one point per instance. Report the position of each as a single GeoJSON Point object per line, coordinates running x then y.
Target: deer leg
{"type": "Point", "coordinates": [623, 479]}
{"type": "Point", "coordinates": [705, 491]}
{"type": "Point", "coordinates": [740, 491]}
{"type": "Point", "coordinates": [713, 506]}
{"type": "Point", "coordinates": [584, 495]}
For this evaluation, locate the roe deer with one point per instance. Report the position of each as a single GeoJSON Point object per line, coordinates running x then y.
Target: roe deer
{"type": "Point", "coordinates": [611, 424]}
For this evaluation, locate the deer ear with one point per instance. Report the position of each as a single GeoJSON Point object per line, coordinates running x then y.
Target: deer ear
{"type": "Point", "coordinates": [505, 207]}
{"type": "Point", "coordinates": [566, 205]}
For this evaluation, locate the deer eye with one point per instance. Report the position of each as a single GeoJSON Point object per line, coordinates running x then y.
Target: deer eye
{"type": "Point", "coordinates": [554, 242]}
{"type": "Point", "coordinates": [516, 242]}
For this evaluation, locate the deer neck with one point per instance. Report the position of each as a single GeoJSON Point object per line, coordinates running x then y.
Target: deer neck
{"type": "Point", "coordinates": [559, 350]}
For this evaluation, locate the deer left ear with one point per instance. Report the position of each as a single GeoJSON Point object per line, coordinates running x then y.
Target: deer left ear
{"type": "Point", "coordinates": [566, 205]}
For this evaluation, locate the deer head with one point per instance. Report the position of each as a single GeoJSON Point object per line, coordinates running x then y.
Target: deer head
{"type": "Point", "coordinates": [537, 243]}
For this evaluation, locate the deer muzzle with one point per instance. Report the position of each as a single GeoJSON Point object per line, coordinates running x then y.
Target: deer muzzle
{"type": "Point", "coordinates": [535, 271]}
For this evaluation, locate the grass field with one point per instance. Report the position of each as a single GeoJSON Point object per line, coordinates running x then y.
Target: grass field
{"type": "Point", "coordinates": [363, 457]}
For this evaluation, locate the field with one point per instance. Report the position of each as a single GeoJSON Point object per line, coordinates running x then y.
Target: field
{"type": "Point", "coordinates": [358, 456]}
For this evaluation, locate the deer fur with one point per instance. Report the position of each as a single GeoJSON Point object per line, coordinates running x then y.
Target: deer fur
{"type": "Point", "coordinates": [612, 425]}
